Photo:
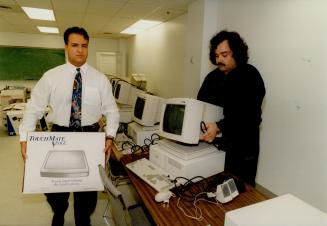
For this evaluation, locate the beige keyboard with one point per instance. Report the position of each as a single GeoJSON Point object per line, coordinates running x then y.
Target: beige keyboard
{"type": "Point", "coordinates": [156, 177]}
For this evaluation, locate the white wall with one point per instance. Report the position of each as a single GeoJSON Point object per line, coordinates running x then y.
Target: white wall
{"type": "Point", "coordinates": [159, 53]}
{"type": "Point", "coordinates": [202, 17]}
{"type": "Point", "coordinates": [174, 55]}
{"type": "Point", "coordinates": [288, 42]}
{"type": "Point", "coordinates": [56, 41]}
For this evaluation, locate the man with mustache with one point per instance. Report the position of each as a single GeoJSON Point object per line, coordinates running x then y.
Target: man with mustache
{"type": "Point", "coordinates": [238, 87]}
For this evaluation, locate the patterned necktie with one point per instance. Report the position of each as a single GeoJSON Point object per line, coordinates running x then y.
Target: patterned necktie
{"type": "Point", "coordinates": [76, 110]}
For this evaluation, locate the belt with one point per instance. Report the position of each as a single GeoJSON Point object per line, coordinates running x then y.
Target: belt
{"type": "Point", "coordinates": [91, 128]}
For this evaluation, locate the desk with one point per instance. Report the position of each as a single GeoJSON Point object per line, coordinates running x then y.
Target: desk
{"type": "Point", "coordinates": [172, 215]}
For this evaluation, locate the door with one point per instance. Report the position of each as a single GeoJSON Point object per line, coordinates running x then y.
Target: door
{"type": "Point", "coordinates": [107, 62]}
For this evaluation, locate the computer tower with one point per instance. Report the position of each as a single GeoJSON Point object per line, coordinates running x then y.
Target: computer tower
{"type": "Point", "coordinates": [205, 165]}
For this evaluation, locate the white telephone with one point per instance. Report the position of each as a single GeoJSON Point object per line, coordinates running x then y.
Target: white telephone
{"type": "Point", "coordinates": [226, 191]}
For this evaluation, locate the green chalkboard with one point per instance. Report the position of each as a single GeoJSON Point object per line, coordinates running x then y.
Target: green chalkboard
{"type": "Point", "coordinates": [22, 63]}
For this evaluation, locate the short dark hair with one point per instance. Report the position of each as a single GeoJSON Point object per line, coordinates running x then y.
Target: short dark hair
{"type": "Point", "coordinates": [236, 44]}
{"type": "Point", "coordinates": [75, 30]}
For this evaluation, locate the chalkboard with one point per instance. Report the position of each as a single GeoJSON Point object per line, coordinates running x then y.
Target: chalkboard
{"type": "Point", "coordinates": [22, 63]}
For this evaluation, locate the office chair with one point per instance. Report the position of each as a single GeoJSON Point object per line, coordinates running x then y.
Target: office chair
{"type": "Point", "coordinates": [119, 202]}
{"type": "Point", "coordinates": [117, 173]}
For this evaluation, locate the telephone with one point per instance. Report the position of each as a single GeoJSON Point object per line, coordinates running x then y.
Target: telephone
{"type": "Point", "coordinates": [226, 191]}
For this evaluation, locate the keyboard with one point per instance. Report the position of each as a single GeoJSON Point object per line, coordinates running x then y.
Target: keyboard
{"type": "Point", "coordinates": [156, 177]}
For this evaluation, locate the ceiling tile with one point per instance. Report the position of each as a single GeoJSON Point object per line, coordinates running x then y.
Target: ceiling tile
{"type": "Point", "coordinates": [99, 17]}
{"type": "Point", "coordinates": [163, 14]}
{"type": "Point", "coordinates": [71, 6]}
{"type": "Point", "coordinates": [135, 11]}
{"type": "Point", "coordinates": [104, 6]}
{"type": "Point", "coordinates": [43, 4]}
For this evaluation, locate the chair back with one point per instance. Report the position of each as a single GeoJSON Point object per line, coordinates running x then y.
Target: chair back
{"type": "Point", "coordinates": [109, 187]}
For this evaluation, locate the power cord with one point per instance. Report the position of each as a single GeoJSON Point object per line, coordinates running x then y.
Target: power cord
{"type": "Point", "coordinates": [152, 140]}
{"type": "Point", "coordinates": [204, 129]}
{"type": "Point", "coordinates": [188, 189]}
{"type": "Point", "coordinates": [134, 148]}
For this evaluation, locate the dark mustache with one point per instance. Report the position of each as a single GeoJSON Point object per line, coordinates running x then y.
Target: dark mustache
{"type": "Point", "coordinates": [221, 64]}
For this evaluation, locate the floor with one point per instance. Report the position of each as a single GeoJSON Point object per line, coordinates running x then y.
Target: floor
{"type": "Point", "coordinates": [29, 210]}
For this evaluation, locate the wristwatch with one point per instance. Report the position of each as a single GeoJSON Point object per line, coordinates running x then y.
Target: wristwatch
{"type": "Point", "coordinates": [109, 138]}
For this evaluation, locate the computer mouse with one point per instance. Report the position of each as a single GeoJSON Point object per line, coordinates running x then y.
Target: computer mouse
{"type": "Point", "coordinates": [163, 196]}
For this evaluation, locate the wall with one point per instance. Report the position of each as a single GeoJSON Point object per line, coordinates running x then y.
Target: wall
{"type": "Point", "coordinates": [202, 17]}
{"type": "Point", "coordinates": [175, 53]}
{"type": "Point", "coordinates": [287, 43]}
{"type": "Point", "coordinates": [159, 53]}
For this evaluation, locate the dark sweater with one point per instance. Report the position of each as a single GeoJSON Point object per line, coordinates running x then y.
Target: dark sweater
{"type": "Point", "coordinates": [240, 93]}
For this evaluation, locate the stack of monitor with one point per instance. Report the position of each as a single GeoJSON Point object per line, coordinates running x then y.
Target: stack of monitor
{"type": "Point", "coordinates": [179, 121]}
{"type": "Point", "coordinates": [125, 96]}
{"type": "Point", "coordinates": [182, 155]}
{"type": "Point", "coordinates": [146, 117]}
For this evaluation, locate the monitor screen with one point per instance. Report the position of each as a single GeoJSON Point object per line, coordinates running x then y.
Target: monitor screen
{"type": "Point", "coordinates": [173, 118]}
{"type": "Point", "coordinates": [113, 83]}
{"type": "Point", "coordinates": [147, 109]}
{"type": "Point", "coordinates": [139, 107]}
{"type": "Point", "coordinates": [124, 92]}
{"type": "Point", "coordinates": [181, 119]}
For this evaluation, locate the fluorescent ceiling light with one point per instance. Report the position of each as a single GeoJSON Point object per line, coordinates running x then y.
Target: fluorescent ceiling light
{"type": "Point", "coordinates": [39, 14]}
{"type": "Point", "coordinates": [48, 29]}
{"type": "Point", "coordinates": [140, 26]}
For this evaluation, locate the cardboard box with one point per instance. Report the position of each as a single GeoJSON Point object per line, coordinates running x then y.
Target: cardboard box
{"type": "Point", "coordinates": [10, 96]}
{"type": "Point", "coordinates": [63, 162]}
{"type": "Point", "coordinates": [285, 210]}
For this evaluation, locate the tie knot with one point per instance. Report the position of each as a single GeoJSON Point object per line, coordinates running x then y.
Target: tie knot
{"type": "Point", "coordinates": [78, 69]}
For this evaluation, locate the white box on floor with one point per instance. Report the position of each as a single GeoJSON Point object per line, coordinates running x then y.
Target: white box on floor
{"type": "Point", "coordinates": [63, 162]}
{"type": "Point", "coordinates": [286, 210]}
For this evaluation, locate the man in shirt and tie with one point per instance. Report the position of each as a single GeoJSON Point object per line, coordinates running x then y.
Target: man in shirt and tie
{"type": "Point", "coordinates": [78, 96]}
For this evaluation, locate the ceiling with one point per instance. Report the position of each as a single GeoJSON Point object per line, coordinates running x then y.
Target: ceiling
{"type": "Point", "coordinates": [101, 18]}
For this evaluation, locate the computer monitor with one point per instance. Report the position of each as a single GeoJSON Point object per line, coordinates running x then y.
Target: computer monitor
{"type": "Point", "coordinates": [125, 93]}
{"type": "Point", "coordinates": [181, 119]}
{"type": "Point", "coordinates": [113, 82]}
{"type": "Point", "coordinates": [147, 109]}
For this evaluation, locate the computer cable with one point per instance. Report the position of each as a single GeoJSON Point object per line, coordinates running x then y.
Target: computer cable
{"type": "Point", "coordinates": [134, 148]}
{"type": "Point", "coordinates": [204, 129]}
{"type": "Point", "coordinates": [188, 189]}
{"type": "Point", "coordinates": [201, 196]}
{"type": "Point", "coordinates": [122, 128]}
{"type": "Point", "coordinates": [152, 140]}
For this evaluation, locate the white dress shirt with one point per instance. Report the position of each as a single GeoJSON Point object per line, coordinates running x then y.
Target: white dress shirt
{"type": "Point", "coordinates": [55, 89]}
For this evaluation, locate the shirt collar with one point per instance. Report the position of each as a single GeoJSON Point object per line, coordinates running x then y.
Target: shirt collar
{"type": "Point", "coordinates": [72, 68]}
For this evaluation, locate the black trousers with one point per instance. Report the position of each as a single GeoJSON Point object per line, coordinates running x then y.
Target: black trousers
{"type": "Point", "coordinates": [84, 202]}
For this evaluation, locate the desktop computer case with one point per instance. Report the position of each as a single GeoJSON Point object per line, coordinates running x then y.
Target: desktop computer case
{"type": "Point", "coordinates": [206, 165]}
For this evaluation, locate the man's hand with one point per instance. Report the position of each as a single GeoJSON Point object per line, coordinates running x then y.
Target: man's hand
{"type": "Point", "coordinates": [23, 146]}
{"type": "Point", "coordinates": [108, 149]}
{"type": "Point", "coordinates": [211, 132]}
